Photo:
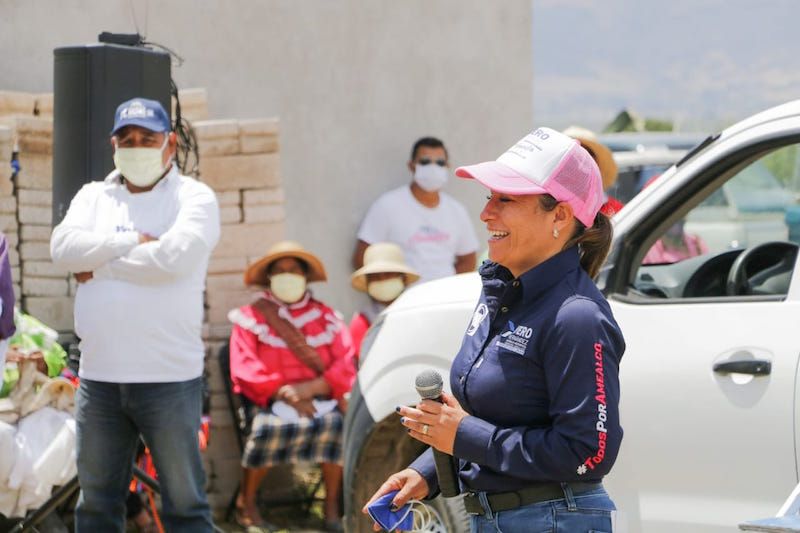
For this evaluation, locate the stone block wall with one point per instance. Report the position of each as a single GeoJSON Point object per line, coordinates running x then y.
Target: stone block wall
{"type": "Point", "coordinates": [45, 290]}
{"type": "Point", "coordinates": [239, 159]}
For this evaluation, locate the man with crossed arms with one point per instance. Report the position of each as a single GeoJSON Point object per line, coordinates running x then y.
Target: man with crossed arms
{"type": "Point", "coordinates": [138, 243]}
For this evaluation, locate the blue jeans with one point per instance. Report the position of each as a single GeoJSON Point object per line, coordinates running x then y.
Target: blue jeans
{"type": "Point", "coordinates": [587, 512]}
{"type": "Point", "coordinates": [110, 417]}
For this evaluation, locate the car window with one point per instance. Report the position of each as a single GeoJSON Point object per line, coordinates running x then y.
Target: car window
{"type": "Point", "coordinates": [741, 240]}
{"type": "Point", "coordinates": [631, 180]}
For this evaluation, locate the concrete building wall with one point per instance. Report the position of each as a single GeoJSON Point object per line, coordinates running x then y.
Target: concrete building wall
{"type": "Point", "coordinates": [354, 83]}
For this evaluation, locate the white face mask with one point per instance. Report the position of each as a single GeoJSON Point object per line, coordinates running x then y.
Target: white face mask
{"type": "Point", "coordinates": [386, 290]}
{"type": "Point", "coordinates": [431, 177]}
{"type": "Point", "coordinates": [288, 287]}
{"type": "Point", "coordinates": [141, 166]}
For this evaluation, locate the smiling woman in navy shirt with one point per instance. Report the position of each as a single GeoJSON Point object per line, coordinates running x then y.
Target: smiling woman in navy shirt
{"type": "Point", "coordinates": [533, 420]}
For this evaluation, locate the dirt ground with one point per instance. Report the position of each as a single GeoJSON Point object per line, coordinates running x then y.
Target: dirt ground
{"type": "Point", "coordinates": [286, 520]}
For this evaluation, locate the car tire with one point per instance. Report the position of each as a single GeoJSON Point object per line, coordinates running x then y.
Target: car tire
{"type": "Point", "coordinates": [388, 449]}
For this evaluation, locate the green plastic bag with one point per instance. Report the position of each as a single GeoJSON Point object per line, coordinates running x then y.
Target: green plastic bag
{"type": "Point", "coordinates": [33, 336]}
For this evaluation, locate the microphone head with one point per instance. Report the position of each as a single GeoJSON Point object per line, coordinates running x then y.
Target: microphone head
{"type": "Point", "coordinates": [429, 384]}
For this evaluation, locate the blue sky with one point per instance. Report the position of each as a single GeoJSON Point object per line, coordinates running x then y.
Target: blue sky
{"type": "Point", "coordinates": [701, 63]}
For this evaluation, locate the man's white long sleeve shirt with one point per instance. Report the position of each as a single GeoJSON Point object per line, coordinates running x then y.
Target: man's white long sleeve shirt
{"type": "Point", "coordinates": [139, 318]}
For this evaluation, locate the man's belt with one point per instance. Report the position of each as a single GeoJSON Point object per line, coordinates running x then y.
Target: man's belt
{"type": "Point", "coordinates": [503, 501]}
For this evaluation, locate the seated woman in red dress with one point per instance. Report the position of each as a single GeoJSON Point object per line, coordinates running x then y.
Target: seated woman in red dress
{"type": "Point", "coordinates": [292, 358]}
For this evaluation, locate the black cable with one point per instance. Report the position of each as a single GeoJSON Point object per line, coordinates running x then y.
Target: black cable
{"type": "Point", "coordinates": [172, 53]}
{"type": "Point", "coordinates": [187, 155]}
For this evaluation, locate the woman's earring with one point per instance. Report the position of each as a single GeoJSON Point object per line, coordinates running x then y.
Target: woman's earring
{"type": "Point", "coordinates": [555, 233]}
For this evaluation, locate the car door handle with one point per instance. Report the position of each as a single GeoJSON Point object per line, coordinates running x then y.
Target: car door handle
{"type": "Point", "coordinates": [756, 367]}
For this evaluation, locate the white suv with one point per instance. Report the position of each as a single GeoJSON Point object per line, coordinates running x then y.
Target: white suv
{"type": "Point", "coordinates": [642, 155]}
{"type": "Point", "coordinates": [710, 376]}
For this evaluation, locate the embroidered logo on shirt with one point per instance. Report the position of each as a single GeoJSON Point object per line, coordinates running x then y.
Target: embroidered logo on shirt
{"type": "Point", "coordinates": [429, 234]}
{"type": "Point", "coordinates": [480, 314]}
{"type": "Point", "coordinates": [515, 339]}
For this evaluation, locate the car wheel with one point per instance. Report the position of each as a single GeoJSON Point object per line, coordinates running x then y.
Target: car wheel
{"type": "Point", "coordinates": [387, 450]}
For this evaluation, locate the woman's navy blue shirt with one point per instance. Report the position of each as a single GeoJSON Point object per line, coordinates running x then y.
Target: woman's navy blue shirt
{"type": "Point", "coordinates": [538, 373]}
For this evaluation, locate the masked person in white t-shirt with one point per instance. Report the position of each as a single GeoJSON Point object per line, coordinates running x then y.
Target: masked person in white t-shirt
{"type": "Point", "coordinates": [433, 229]}
{"type": "Point", "coordinates": [138, 243]}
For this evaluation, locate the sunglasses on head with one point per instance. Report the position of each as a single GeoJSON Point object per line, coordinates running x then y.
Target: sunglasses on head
{"type": "Point", "coordinates": [425, 161]}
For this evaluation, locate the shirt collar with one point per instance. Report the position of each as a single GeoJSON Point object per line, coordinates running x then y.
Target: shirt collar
{"type": "Point", "coordinates": [535, 281]}
{"type": "Point", "coordinates": [544, 275]}
{"type": "Point", "coordinates": [495, 279]}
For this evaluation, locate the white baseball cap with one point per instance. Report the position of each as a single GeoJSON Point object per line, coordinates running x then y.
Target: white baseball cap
{"type": "Point", "coordinates": [545, 161]}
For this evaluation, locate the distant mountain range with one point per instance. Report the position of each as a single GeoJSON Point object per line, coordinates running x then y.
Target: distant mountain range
{"type": "Point", "coordinates": [700, 63]}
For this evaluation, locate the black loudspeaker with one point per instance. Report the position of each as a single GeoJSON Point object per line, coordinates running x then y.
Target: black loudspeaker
{"type": "Point", "coordinates": [89, 82]}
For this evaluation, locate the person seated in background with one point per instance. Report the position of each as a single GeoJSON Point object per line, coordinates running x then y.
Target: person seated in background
{"type": "Point", "coordinates": [383, 277]}
{"type": "Point", "coordinates": [605, 161]}
{"type": "Point", "coordinates": [674, 246]}
{"type": "Point", "coordinates": [292, 359]}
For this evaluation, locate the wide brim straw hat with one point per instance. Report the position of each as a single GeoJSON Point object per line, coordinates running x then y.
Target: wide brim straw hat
{"type": "Point", "coordinates": [258, 272]}
{"type": "Point", "coordinates": [381, 258]}
{"type": "Point", "coordinates": [602, 155]}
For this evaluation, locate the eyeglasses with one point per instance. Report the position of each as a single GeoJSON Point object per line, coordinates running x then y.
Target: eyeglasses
{"type": "Point", "coordinates": [425, 161]}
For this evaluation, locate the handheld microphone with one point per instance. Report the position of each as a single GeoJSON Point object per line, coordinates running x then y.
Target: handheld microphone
{"type": "Point", "coordinates": [429, 386]}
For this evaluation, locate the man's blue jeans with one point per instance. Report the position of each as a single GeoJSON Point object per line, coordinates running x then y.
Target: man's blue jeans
{"type": "Point", "coordinates": [110, 417]}
{"type": "Point", "coordinates": [586, 512]}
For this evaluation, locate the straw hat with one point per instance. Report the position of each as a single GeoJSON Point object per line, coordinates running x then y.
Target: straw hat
{"type": "Point", "coordinates": [602, 155]}
{"type": "Point", "coordinates": [256, 273]}
{"type": "Point", "coordinates": [380, 258]}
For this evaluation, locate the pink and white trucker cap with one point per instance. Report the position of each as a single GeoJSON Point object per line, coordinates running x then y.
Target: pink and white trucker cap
{"type": "Point", "coordinates": [545, 161]}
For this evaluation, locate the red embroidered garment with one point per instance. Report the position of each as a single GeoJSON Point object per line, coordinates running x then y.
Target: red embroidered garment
{"type": "Point", "coordinates": [261, 362]}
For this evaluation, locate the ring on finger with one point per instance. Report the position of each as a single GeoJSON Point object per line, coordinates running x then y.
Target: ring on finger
{"type": "Point", "coordinates": [425, 428]}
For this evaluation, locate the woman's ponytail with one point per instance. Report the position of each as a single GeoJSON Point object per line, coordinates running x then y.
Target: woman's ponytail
{"type": "Point", "coordinates": [593, 243]}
